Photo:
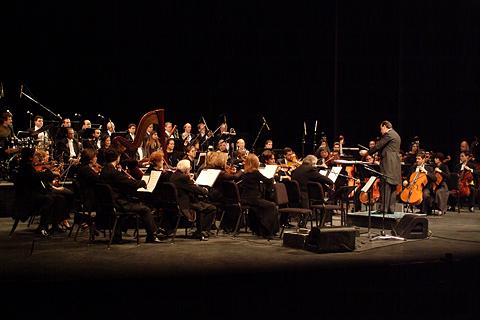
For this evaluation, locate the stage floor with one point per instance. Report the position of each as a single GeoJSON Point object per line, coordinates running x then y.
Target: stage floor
{"type": "Point", "coordinates": [248, 273]}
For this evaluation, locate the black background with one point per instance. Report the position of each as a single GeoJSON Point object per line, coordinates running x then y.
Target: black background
{"type": "Point", "coordinates": [347, 64]}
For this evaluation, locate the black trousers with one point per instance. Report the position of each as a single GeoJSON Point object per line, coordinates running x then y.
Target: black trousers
{"type": "Point", "coordinates": [388, 197]}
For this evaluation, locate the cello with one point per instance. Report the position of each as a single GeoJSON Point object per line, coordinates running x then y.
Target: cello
{"type": "Point", "coordinates": [413, 193]}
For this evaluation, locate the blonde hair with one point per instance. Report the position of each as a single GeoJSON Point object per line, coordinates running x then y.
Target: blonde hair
{"type": "Point", "coordinates": [251, 163]}
{"type": "Point", "coordinates": [183, 166]}
{"type": "Point", "coordinates": [216, 160]}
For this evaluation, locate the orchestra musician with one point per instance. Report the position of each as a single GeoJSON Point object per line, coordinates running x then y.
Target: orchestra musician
{"type": "Point", "coordinates": [123, 192]}
{"type": "Point", "coordinates": [389, 148]}
{"type": "Point", "coordinates": [264, 216]}
{"type": "Point", "coordinates": [188, 200]}
{"type": "Point", "coordinates": [442, 174]}
{"type": "Point", "coordinates": [88, 175]}
{"type": "Point", "coordinates": [268, 158]}
{"type": "Point", "coordinates": [34, 193]}
{"type": "Point", "coordinates": [468, 174]}
{"type": "Point", "coordinates": [308, 172]}
{"type": "Point", "coordinates": [421, 166]}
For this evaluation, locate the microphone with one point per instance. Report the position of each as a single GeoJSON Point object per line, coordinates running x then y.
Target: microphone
{"type": "Point", "coordinates": [266, 124]}
{"type": "Point", "coordinates": [78, 115]}
{"type": "Point", "coordinates": [100, 116]}
{"type": "Point", "coordinates": [304, 128]}
{"type": "Point", "coordinates": [21, 90]}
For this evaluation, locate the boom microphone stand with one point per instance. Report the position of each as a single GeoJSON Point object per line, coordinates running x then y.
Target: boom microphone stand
{"type": "Point", "coordinates": [41, 105]}
{"type": "Point", "coordinates": [259, 132]}
{"type": "Point", "coordinates": [382, 235]}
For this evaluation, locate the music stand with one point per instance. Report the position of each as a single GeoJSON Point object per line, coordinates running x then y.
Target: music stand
{"type": "Point", "coordinates": [383, 179]}
{"type": "Point", "coordinates": [368, 189]}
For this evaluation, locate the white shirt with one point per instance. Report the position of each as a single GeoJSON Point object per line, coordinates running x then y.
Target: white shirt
{"type": "Point", "coordinates": [42, 135]}
{"type": "Point", "coordinates": [70, 147]}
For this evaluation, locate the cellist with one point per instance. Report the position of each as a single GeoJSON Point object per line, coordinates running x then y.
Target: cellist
{"type": "Point", "coordinates": [419, 167]}
{"type": "Point", "coordinates": [467, 173]}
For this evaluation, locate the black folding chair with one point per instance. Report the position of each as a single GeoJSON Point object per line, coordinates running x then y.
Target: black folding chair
{"type": "Point", "coordinates": [106, 212]}
{"type": "Point", "coordinates": [233, 204]}
{"type": "Point", "coordinates": [282, 201]}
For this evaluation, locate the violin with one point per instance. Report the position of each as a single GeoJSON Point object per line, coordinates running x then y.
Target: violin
{"type": "Point", "coordinates": [96, 167]}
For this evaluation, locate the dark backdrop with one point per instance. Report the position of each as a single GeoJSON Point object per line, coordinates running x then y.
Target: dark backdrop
{"type": "Point", "coordinates": [347, 64]}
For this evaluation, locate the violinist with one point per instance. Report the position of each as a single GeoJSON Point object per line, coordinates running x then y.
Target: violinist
{"type": "Point", "coordinates": [323, 157]}
{"type": "Point", "coordinates": [124, 196]}
{"type": "Point", "coordinates": [88, 175]}
{"type": "Point", "coordinates": [440, 186]}
{"type": "Point", "coordinates": [188, 200]}
{"type": "Point", "coordinates": [307, 172]}
{"type": "Point", "coordinates": [51, 182]}
{"type": "Point", "coordinates": [268, 158]}
{"type": "Point", "coordinates": [289, 162]}
{"type": "Point", "coordinates": [468, 174]}
{"type": "Point", "coordinates": [263, 214]}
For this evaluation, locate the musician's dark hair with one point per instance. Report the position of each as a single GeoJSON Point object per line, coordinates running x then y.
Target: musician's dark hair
{"type": "Point", "coordinates": [111, 155]}
{"type": "Point", "coordinates": [36, 118]}
{"type": "Point", "coordinates": [387, 124]}
{"type": "Point", "coordinates": [440, 156]}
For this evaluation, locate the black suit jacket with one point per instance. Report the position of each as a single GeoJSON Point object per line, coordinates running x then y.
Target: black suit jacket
{"type": "Point", "coordinates": [62, 151]}
{"type": "Point", "coordinates": [306, 173]}
{"type": "Point", "coordinates": [123, 187]}
{"type": "Point", "coordinates": [87, 178]}
{"type": "Point", "coordinates": [187, 189]}
{"type": "Point", "coordinates": [389, 148]}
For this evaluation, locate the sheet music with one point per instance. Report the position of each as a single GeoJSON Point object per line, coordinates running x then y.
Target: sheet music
{"type": "Point", "coordinates": [151, 181]}
{"type": "Point", "coordinates": [333, 175]}
{"type": "Point", "coordinates": [269, 170]}
{"type": "Point", "coordinates": [369, 184]}
{"type": "Point", "coordinates": [201, 158]}
{"type": "Point", "coordinates": [323, 172]}
{"type": "Point", "coordinates": [207, 177]}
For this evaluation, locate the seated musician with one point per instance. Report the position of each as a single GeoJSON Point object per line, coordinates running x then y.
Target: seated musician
{"type": "Point", "coordinates": [34, 194]}
{"type": "Point", "coordinates": [263, 213]}
{"type": "Point", "coordinates": [468, 174]}
{"type": "Point", "coordinates": [218, 160]}
{"type": "Point", "coordinates": [67, 148]}
{"type": "Point", "coordinates": [421, 167]}
{"type": "Point", "coordinates": [190, 155]}
{"type": "Point", "coordinates": [441, 189]}
{"type": "Point", "coordinates": [171, 156]}
{"type": "Point", "coordinates": [124, 190]}
{"type": "Point", "coordinates": [308, 172]}
{"type": "Point", "coordinates": [323, 157]}
{"type": "Point", "coordinates": [88, 176]}
{"type": "Point", "coordinates": [152, 144]}
{"type": "Point", "coordinates": [105, 143]}
{"type": "Point", "coordinates": [188, 197]}
{"type": "Point", "coordinates": [268, 158]}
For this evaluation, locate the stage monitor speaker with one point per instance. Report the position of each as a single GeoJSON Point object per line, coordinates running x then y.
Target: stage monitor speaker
{"type": "Point", "coordinates": [411, 226]}
{"type": "Point", "coordinates": [332, 239]}
{"type": "Point", "coordinates": [295, 239]}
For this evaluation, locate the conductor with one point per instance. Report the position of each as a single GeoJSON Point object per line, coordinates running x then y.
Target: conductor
{"type": "Point", "coordinates": [390, 165]}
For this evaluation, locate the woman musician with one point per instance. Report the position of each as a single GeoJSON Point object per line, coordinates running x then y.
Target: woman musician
{"type": "Point", "coordinates": [442, 174]}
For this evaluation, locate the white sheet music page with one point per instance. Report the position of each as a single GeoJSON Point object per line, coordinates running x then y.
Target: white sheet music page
{"type": "Point", "coordinates": [269, 170]}
{"type": "Point", "coordinates": [323, 172]}
{"type": "Point", "coordinates": [333, 175]}
{"type": "Point", "coordinates": [369, 183]}
{"type": "Point", "coordinates": [207, 177]}
{"type": "Point", "coordinates": [151, 181]}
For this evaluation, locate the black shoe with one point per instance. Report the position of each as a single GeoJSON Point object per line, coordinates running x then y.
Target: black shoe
{"type": "Point", "coordinates": [153, 239]}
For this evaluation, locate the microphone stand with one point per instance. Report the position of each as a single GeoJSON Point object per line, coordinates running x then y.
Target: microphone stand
{"type": "Point", "coordinates": [258, 135]}
{"type": "Point", "coordinates": [303, 139]}
{"type": "Point", "coordinates": [315, 138]}
{"type": "Point", "coordinates": [41, 105]}
{"type": "Point", "coordinates": [383, 179]}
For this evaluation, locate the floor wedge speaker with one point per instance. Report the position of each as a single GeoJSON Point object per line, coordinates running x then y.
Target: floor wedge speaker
{"type": "Point", "coordinates": [411, 226]}
{"type": "Point", "coordinates": [332, 239]}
